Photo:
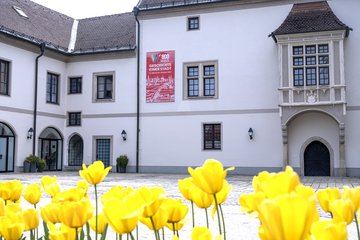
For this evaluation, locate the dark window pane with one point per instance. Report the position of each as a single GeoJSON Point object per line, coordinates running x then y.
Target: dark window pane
{"type": "Point", "coordinates": [310, 76]}
{"type": "Point", "coordinates": [74, 119]}
{"type": "Point", "coordinates": [104, 87]}
{"type": "Point", "coordinates": [323, 75]}
{"type": "Point", "coordinates": [193, 23]}
{"type": "Point", "coordinates": [324, 59]}
{"type": "Point", "coordinates": [209, 87]}
{"type": "Point", "coordinates": [212, 136]}
{"type": "Point", "coordinates": [311, 60]}
{"type": "Point", "coordinates": [193, 71]}
{"type": "Point", "coordinates": [209, 70]}
{"type": "Point", "coordinates": [298, 50]}
{"type": "Point", "coordinates": [75, 85]}
{"type": "Point", "coordinates": [298, 61]}
{"type": "Point", "coordinates": [298, 77]}
{"type": "Point", "coordinates": [4, 77]}
{"type": "Point", "coordinates": [323, 48]}
{"type": "Point", "coordinates": [52, 88]}
{"type": "Point", "coordinates": [310, 49]}
{"type": "Point", "coordinates": [193, 87]}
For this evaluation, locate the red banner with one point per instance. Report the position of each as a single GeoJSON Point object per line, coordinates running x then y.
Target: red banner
{"type": "Point", "coordinates": [160, 74]}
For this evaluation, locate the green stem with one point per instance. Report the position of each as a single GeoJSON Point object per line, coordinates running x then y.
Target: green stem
{"type": "Point", "coordinates": [218, 213]}
{"type": "Point", "coordinates": [163, 233]}
{"type": "Point", "coordinates": [207, 218]}
{"type": "Point", "coordinates": [173, 225]}
{"type": "Point", "coordinates": [223, 220]}
{"type": "Point", "coordinates": [177, 233]}
{"type": "Point", "coordinates": [137, 233]}
{"type": "Point", "coordinates": [357, 226]}
{"type": "Point", "coordinates": [193, 214]}
{"type": "Point", "coordinates": [96, 212]}
{"type": "Point", "coordinates": [76, 234]}
{"type": "Point", "coordinates": [155, 232]}
{"type": "Point", "coordinates": [131, 236]}
{"type": "Point", "coordinates": [120, 236]}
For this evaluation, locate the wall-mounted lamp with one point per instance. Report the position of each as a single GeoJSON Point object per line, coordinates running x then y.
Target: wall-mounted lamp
{"type": "Point", "coordinates": [251, 133]}
{"type": "Point", "coordinates": [30, 133]}
{"type": "Point", "coordinates": [123, 134]}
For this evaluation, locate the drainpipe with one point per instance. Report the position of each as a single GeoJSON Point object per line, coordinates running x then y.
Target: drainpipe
{"type": "Point", "coordinates": [136, 12]}
{"type": "Point", "coordinates": [42, 49]}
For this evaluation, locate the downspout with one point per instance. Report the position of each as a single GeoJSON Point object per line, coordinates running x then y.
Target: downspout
{"type": "Point", "coordinates": [136, 12]}
{"type": "Point", "coordinates": [42, 49]}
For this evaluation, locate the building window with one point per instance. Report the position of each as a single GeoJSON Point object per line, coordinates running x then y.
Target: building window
{"type": "Point", "coordinates": [193, 23]}
{"type": "Point", "coordinates": [104, 87]}
{"type": "Point", "coordinates": [212, 136]}
{"type": "Point", "coordinates": [74, 118]}
{"type": "Point", "coordinates": [200, 80]}
{"type": "Point", "coordinates": [311, 65]}
{"type": "Point", "coordinates": [4, 77]}
{"type": "Point", "coordinates": [75, 85]}
{"type": "Point", "coordinates": [52, 88]}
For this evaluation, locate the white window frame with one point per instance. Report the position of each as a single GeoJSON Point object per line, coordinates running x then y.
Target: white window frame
{"type": "Point", "coordinates": [201, 79]}
{"type": "Point", "coordinates": [8, 94]}
{"type": "Point", "coordinates": [95, 90]}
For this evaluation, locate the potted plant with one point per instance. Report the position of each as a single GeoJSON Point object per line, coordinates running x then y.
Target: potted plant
{"type": "Point", "coordinates": [41, 164]}
{"type": "Point", "coordinates": [121, 163]}
{"type": "Point", "coordinates": [30, 163]}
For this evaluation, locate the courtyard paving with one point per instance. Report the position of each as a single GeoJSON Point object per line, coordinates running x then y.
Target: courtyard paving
{"type": "Point", "coordinates": [238, 225]}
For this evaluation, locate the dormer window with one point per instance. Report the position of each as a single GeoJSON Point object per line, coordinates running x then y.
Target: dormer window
{"type": "Point", "coordinates": [20, 12]}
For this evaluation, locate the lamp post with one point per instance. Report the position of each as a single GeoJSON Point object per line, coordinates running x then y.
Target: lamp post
{"type": "Point", "coordinates": [251, 133]}
{"type": "Point", "coordinates": [124, 135]}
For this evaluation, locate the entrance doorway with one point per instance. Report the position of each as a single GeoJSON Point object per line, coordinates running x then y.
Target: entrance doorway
{"type": "Point", "coordinates": [7, 148]}
{"type": "Point", "coordinates": [51, 149]}
{"type": "Point", "coordinates": [316, 160]}
{"type": "Point", "coordinates": [76, 146]}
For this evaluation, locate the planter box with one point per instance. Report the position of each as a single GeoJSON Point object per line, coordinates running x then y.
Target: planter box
{"type": "Point", "coordinates": [30, 167]}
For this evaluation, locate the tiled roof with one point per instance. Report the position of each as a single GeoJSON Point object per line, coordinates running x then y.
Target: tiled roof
{"type": "Point", "coordinates": [99, 34]}
{"type": "Point", "coordinates": [310, 17]}
{"type": "Point", "coordinates": [106, 32]}
{"type": "Point", "coordinates": [42, 24]}
{"type": "Point", "coordinates": [156, 4]}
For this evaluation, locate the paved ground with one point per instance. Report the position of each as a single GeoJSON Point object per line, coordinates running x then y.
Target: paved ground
{"type": "Point", "coordinates": [238, 224]}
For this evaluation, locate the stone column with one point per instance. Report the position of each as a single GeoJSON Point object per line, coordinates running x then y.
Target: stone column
{"type": "Point", "coordinates": [342, 161]}
{"type": "Point", "coordinates": [285, 146]}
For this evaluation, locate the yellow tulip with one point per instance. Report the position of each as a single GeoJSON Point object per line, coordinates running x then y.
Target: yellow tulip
{"type": "Point", "coordinates": [102, 222]}
{"type": "Point", "coordinates": [250, 202]}
{"type": "Point", "coordinates": [201, 233]}
{"type": "Point", "coordinates": [95, 173]}
{"type": "Point", "coordinates": [82, 184]}
{"type": "Point", "coordinates": [69, 195]}
{"type": "Point", "coordinates": [287, 217]}
{"type": "Point", "coordinates": [62, 233]}
{"type": "Point", "coordinates": [32, 193]}
{"type": "Point", "coordinates": [176, 210]}
{"type": "Point", "coordinates": [159, 219]}
{"type": "Point", "coordinates": [201, 198]}
{"type": "Point", "coordinates": [342, 210]}
{"type": "Point", "coordinates": [329, 230]}
{"type": "Point", "coordinates": [176, 226]}
{"type": "Point", "coordinates": [2, 207]}
{"type": "Point", "coordinates": [210, 176]}
{"type": "Point", "coordinates": [51, 213]}
{"type": "Point", "coordinates": [76, 214]}
{"type": "Point", "coordinates": [121, 219]}
{"type": "Point", "coordinates": [50, 185]}
{"type": "Point", "coordinates": [11, 190]}
{"type": "Point", "coordinates": [305, 191]}
{"type": "Point", "coordinates": [10, 229]}
{"type": "Point", "coordinates": [352, 194]}
{"type": "Point", "coordinates": [326, 196]}
{"type": "Point", "coordinates": [222, 195]}
{"type": "Point", "coordinates": [276, 184]}
{"type": "Point", "coordinates": [31, 218]}
{"type": "Point", "coordinates": [152, 199]}
{"type": "Point", "coordinates": [185, 185]}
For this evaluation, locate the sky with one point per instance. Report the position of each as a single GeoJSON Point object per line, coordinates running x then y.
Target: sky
{"type": "Point", "coordinates": [89, 8]}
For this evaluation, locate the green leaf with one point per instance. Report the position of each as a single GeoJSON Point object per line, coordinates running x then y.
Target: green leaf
{"type": "Point", "coordinates": [88, 231]}
{"type": "Point", "coordinates": [103, 235]}
{"type": "Point", "coordinates": [82, 234]}
{"type": "Point", "coordinates": [46, 231]}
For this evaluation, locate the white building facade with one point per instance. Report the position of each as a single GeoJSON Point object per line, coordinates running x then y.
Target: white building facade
{"type": "Point", "coordinates": [255, 84]}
